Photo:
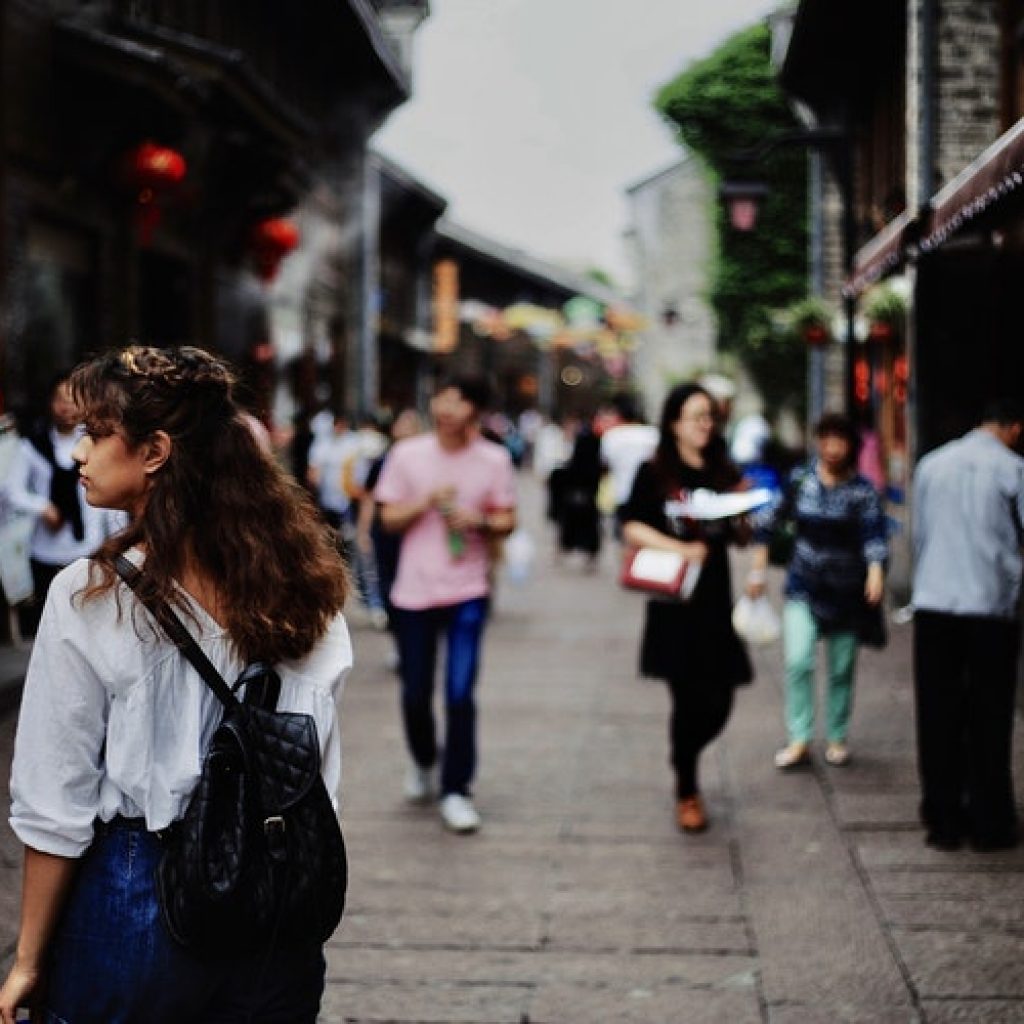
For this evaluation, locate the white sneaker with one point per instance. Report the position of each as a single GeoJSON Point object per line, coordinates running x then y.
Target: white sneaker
{"type": "Point", "coordinates": [418, 786]}
{"type": "Point", "coordinates": [459, 814]}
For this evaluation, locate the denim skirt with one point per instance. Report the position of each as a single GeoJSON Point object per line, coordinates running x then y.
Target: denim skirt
{"type": "Point", "coordinates": [112, 961]}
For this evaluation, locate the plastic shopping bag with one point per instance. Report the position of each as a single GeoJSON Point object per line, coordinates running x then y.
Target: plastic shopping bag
{"type": "Point", "coordinates": [519, 553]}
{"type": "Point", "coordinates": [756, 620]}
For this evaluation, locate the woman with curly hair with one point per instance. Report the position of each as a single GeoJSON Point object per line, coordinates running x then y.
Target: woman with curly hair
{"type": "Point", "coordinates": [114, 721]}
{"type": "Point", "coordinates": [691, 644]}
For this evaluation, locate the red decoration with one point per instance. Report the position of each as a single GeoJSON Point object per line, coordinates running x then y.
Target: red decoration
{"type": "Point", "coordinates": [880, 331]}
{"type": "Point", "coordinates": [815, 334]}
{"type": "Point", "coordinates": [153, 172]}
{"type": "Point", "coordinates": [272, 239]}
{"type": "Point", "coordinates": [862, 381]}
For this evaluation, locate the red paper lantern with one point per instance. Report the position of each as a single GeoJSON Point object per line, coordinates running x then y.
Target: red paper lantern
{"type": "Point", "coordinates": [272, 239]}
{"type": "Point", "coordinates": [153, 172]}
{"type": "Point", "coordinates": [815, 334]}
{"type": "Point", "coordinates": [880, 331]}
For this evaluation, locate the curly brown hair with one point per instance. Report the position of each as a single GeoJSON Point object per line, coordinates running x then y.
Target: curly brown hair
{"type": "Point", "coordinates": [219, 500]}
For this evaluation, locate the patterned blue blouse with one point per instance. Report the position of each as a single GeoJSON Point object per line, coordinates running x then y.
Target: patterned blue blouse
{"type": "Point", "coordinates": [839, 531]}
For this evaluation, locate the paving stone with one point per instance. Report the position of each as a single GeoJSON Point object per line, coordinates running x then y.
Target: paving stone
{"type": "Point", "coordinates": [810, 899]}
{"type": "Point", "coordinates": [982, 1011]}
{"type": "Point", "coordinates": [963, 965]}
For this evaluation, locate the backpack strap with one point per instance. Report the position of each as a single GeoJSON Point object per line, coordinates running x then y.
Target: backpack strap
{"type": "Point", "coordinates": [180, 636]}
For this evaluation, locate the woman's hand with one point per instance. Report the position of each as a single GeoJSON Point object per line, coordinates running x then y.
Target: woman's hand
{"type": "Point", "coordinates": [874, 585]}
{"type": "Point", "coordinates": [694, 551]}
{"type": "Point", "coordinates": [51, 518]}
{"type": "Point", "coordinates": [757, 577]}
{"type": "Point", "coordinates": [19, 988]}
{"type": "Point", "coordinates": [756, 585]}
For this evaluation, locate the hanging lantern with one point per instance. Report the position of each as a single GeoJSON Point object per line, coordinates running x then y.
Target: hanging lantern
{"type": "Point", "coordinates": [815, 334]}
{"type": "Point", "coordinates": [743, 200]}
{"type": "Point", "coordinates": [153, 172]}
{"type": "Point", "coordinates": [880, 331]}
{"type": "Point", "coordinates": [271, 240]}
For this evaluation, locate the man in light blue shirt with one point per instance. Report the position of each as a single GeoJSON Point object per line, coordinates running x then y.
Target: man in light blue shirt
{"type": "Point", "coordinates": [968, 515]}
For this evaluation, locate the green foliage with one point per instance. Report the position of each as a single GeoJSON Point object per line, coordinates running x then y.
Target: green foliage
{"type": "Point", "coordinates": [600, 276]}
{"type": "Point", "coordinates": [721, 106]}
{"type": "Point", "coordinates": [884, 304]}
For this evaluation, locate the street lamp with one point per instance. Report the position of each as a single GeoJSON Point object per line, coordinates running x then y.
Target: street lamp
{"type": "Point", "coordinates": [743, 201]}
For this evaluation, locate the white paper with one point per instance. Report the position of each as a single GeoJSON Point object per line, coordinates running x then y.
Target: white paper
{"type": "Point", "coordinates": [705, 504]}
{"type": "Point", "coordinates": [656, 566]}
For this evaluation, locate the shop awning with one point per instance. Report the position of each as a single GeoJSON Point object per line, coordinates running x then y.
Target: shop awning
{"type": "Point", "coordinates": [996, 173]}
{"type": "Point", "coordinates": [882, 255]}
{"type": "Point", "coordinates": [994, 176]}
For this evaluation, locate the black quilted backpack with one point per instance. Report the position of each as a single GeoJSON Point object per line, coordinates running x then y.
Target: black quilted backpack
{"type": "Point", "coordinates": [258, 859]}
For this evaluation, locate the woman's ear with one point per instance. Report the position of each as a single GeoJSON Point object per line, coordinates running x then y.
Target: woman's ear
{"type": "Point", "coordinates": [158, 451]}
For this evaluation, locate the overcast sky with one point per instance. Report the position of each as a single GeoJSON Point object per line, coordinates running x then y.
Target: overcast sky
{"type": "Point", "coordinates": [532, 116]}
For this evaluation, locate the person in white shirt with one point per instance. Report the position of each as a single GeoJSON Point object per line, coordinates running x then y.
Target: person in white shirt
{"type": "Point", "coordinates": [114, 722]}
{"type": "Point", "coordinates": [328, 457]}
{"type": "Point", "coordinates": [624, 447]}
{"type": "Point", "coordinates": [43, 483]}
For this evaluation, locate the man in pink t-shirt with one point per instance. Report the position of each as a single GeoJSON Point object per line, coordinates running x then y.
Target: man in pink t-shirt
{"type": "Point", "coordinates": [447, 492]}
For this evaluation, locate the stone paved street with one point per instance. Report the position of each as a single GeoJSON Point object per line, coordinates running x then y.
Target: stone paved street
{"type": "Point", "coordinates": [811, 899]}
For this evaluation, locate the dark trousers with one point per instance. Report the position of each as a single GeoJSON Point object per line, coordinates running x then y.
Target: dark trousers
{"type": "Point", "coordinates": [965, 674]}
{"type": "Point", "coordinates": [30, 611]}
{"type": "Point", "coordinates": [699, 713]}
{"type": "Point", "coordinates": [418, 633]}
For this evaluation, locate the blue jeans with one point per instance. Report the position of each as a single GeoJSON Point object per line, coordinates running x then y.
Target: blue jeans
{"type": "Point", "coordinates": [113, 962]}
{"type": "Point", "coordinates": [418, 632]}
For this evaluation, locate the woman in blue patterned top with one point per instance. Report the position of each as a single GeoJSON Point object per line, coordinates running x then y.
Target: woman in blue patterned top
{"type": "Point", "coordinates": [835, 573]}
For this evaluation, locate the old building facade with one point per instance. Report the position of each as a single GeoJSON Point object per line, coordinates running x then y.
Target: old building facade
{"type": "Point", "coordinates": [161, 159]}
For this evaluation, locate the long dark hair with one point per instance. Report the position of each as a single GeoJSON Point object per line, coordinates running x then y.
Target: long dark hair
{"type": "Point", "coordinates": [668, 466]}
{"type": "Point", "coordinates": [219, 499]}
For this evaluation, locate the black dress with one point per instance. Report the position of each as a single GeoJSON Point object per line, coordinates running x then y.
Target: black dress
{"type": "Point", "coordinates": [694, 640]}
{"type": "Point", "coordinates": [579, 526]}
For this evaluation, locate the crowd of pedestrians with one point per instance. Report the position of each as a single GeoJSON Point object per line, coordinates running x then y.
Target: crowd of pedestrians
{"type": "Point", "coordinates": [177, 477]}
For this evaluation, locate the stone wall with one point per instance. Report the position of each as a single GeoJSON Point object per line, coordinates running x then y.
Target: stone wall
{"type": "Point", "coordinates": [967, 86]}
{"type": "Point", "coordinates": [672, 234]}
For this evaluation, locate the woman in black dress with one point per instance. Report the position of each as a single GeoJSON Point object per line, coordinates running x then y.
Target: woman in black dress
{"type": "Point", "coordinates": [691, 645]}
{"type": "Point", "coordinates": [579, 525]}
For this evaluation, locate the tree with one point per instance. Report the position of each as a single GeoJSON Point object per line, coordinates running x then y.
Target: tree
{"type": "Point", "coordinates": [722, 105]}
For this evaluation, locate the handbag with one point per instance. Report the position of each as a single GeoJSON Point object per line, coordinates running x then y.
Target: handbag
{"type": "Point", "coordinates": [258, 859]}
{"type": "Point", "coordinates": [664, 573]}
{"type": "Point", "coordinates": [871, 628]}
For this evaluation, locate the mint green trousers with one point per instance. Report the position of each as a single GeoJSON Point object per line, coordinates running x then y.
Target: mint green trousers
{"type": "Point", "coordinates": [800, 640]}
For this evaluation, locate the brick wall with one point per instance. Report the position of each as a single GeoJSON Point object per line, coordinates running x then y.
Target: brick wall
{"type": "Point", "coordinates": [967, 87]}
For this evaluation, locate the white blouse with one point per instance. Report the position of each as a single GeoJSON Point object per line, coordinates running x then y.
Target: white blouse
{"type": "Point", "coordinates": [114, 720]}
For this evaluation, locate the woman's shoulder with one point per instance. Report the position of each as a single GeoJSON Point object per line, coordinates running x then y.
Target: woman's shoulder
{"type": "Point", "coordinates": [329, 659]}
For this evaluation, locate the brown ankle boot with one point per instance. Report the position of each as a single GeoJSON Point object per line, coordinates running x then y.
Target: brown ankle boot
{"type": "Point", "coordinates": [690, 814]}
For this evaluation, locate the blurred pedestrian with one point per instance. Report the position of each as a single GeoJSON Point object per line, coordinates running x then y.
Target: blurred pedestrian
{"type": "Point", "coordinates": [114, 720]}
{"type": "Point", "coordinates": [448, 492]}
{"type": "Point", "coordinates": [579, 521]}
{"type": "Point", "coordinates": [43, 483]}
{"type": "Point", "coordinates": [834, 584]}
{"type": "Point", "coordinates": [328, 457]}
{"type": "Point", "coordinates": [692, 644]}
{"type": "Point", "coordinates": [372, 540]}
{"type": "Point", "coordinates": [968, 525]}
{"type": "Point", "coordinates": [624, 445]}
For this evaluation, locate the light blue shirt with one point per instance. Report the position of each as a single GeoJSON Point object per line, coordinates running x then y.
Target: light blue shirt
{"type": "Point", "coordinates": [968, 511]}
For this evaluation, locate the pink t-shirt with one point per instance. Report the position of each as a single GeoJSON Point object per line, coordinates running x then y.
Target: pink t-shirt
{"type": "Point", "coordinates": [429, 576]}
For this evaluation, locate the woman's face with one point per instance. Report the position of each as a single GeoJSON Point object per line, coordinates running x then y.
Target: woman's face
{"type": "Point", "coordinates": [834, 452]}
{"type": "Point", "coordinates": [696, 423]}
{"type": "Point", "coordinates": [112, 474]}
